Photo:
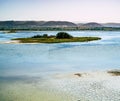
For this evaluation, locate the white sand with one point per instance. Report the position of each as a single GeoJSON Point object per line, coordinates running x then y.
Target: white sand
{"type": "Point", "coordinates": [10, 42]}
{"type": "Point", "coordinates": [15, 42]}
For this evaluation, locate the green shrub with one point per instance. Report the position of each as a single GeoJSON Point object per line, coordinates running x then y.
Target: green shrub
{"type": "Point", "coordinates": [36, 36]}
{"type": "Point", "coordinates": [45, 36]}
{"type": "Point", "coordinates": [63, 35]}
{"type": "Point", "coordinates": [40, 36]}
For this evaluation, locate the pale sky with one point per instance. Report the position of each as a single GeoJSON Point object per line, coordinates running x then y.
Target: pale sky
{"type": "Point", "coordinates": [62, 10]}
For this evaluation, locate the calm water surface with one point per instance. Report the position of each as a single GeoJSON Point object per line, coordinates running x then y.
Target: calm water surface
{"type": "Point", "coordinates": [20, 63]}
{"type": "Point", "coordinates": [36, 58]}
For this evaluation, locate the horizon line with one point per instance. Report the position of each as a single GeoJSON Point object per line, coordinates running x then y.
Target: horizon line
{"type": "Point", "coordinates": [63, 20]}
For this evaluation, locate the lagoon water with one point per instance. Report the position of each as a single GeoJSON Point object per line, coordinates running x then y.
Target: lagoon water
{"type": "Point", "coordinates": [29, 66]}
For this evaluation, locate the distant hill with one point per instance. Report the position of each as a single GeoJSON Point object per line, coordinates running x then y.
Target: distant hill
{"type": "Point", "coordinates": [111, 24]}
{"type": "Point", "coordinates": [59, 24]}
{"type": "Point", "coordinates": [32, 24]}
{"type": "Point", "coordinates": [91, 25]}
{"type": "Point", "coordinates": [80, 24]}
{"type": "Point", "coordinates": [21, 23]}
{"type": "Point", "coordinates": [46, 25]}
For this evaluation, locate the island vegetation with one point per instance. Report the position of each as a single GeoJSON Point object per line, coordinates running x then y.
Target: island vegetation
{"type": "Point", "coordinates": [58, 38]}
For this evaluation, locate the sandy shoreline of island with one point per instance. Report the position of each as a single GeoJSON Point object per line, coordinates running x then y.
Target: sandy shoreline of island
{"type": "Point", "coordinates": [15, 42]}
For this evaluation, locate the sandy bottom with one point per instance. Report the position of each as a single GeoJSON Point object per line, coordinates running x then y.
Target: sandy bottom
{"type": "Point", "coordinates": [90, 86]}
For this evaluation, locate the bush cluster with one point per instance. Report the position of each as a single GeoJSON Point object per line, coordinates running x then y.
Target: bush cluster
{"type": "Point", "coordinates": [63, 35]}
{"type": "Point", "coordinates": [60, 35]}
{"type": "Point", "coordinates": [40, 36]}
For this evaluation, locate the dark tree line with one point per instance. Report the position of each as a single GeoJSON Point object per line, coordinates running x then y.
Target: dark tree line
{"type": "Point", "coordinates": [60, 35]}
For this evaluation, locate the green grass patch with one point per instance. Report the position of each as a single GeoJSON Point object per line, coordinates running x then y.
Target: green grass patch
{"type": "Point", "coordinates": [55, 40]}
{"type": "Point", "coordinates": [59, 38]}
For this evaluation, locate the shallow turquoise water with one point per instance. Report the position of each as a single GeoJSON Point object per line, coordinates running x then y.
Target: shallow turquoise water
{"type": "Point", "coordinates": [27, 71]}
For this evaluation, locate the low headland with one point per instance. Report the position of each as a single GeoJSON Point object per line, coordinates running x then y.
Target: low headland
{"type": "Point", "coordinates": [58, 38]}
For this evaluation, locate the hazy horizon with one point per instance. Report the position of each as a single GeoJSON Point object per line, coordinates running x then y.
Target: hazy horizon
{"type": "Point", "coordinates": [77, 22]}
{"type": "Point", "coordinates": [78, 11]}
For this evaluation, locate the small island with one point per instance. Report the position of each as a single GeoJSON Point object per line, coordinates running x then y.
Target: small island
{"type": "Point", "coordinates": [58, 38]}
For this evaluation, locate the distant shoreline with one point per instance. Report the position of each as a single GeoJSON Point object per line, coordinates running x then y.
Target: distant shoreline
{"type": "Point", "coordinates": [63, 29]}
